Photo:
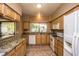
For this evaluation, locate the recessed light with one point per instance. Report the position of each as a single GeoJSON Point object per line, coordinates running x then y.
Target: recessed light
{"type": "Point", "coordinates": [38, 5]}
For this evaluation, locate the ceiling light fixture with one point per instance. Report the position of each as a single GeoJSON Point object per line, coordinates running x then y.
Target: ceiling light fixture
{"type": "Point", "coordinates": [38, 5]}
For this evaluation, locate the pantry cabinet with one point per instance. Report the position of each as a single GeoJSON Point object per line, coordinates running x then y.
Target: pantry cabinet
{"type": "Point", "coordinates": [9, 13]}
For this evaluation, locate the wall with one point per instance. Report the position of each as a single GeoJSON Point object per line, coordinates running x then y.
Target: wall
{"type": "Point", "coordinates": [36, 19]}
{"type": "Point", "coordinates": [63, 9]}
{"type": "Point", "coordinates": [16, 7]}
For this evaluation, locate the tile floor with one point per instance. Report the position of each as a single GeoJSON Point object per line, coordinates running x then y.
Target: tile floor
{"type": "Point", "coordinates": [39, 51]}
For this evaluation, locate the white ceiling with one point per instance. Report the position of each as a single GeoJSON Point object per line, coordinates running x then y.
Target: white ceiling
{"type": "Point", "coordinates": [46, 9]}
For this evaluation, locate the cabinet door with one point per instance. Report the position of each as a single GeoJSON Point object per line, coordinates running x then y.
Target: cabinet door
{"type": "Point", "coordinates": [61, 22]}
{"type": "Point", "coordinates": [55, 46]}
{"type": "Point", "coordinates": [9, 13]}
{"type": "Point", "coordinates": [1, 8]}
{"type": "Point", "coordinates": [44, 39]}
{"type": "Point", "coordinates": [48, 39]}
{"type": "Point", "coordinates": [60, 46]}
{"type": "Point", "coordinates": [25, 25]}
{"type": "Point", "coordinates": [12, 53]}
{"type": "Point", "coordinates": [19, 50]}
{"type": "Point", "coordinates": [17, 17]}
{"type": "Point", "coordinates": [24, 48]}
{"type": "Point", "coordinates": [38, 39]}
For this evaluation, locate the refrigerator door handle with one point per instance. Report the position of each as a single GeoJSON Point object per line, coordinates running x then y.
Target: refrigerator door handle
{"type": "Point", "coordinates": [73, 45]}
{"type": "Point", "coordinates": [77, 46]}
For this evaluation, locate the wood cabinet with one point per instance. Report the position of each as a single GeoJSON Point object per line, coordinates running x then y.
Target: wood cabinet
{"type": "Point", "coordinates": [1, 5]}
{"type": "Point", "coordinates": [19, 50]}
{"type": "Point", "coordinates": [24, 50]}
{"type": "Point", "coordinates": [44, 39]}
{"type": "Point", "coordinates": [48, 39]}
{"type": "Point", "coordinates": [25, 25]}
{"type": "Point", "coordinates": [58, 46]}
{"type": "Point", "coordinates": [12, 53]}
{"type": "Point", "coordinates": [38, 39]}
{"type": "Point", "coordinates": [17, 17]}
{"type": "Point", "coordinates": [9, 13]}
{"type": "Point", "coordinates": [59, 21]}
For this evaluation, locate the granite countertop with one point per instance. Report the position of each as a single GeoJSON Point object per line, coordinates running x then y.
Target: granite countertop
{"type": "Point", "coordinates": [7, 48]}
{"type": "Point", "coordinates": [5, 36]}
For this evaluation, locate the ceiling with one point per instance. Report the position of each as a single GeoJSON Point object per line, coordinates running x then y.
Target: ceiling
{"type": "Point", "coordinates": [46, 9]}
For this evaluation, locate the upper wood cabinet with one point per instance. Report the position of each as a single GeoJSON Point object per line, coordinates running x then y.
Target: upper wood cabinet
{"type": "Point", "coordinates": [1, 8]}
{"type": "Point", "coordinates": [9, 13]}
{"type": "Point", "coordinates": [25, 25]}
{"type": "Point", "coordinates": [58, 23]}
{"type": "Point", "coordinates": [17, 17]}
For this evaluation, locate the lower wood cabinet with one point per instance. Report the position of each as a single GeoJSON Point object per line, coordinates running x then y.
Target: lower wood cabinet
{"type": "Point", "coordinates": [48, 39]}
{"type": "Point", "coordinates": [19, 50]}
{"type": "Point", "coordinates": [42, 39]}
{"type": "Point", "coordinates": [58, 46]}
{"type": "Point", "coordinates": [12, 53]}
{"type": "Point", "coordinates": [38, 39]}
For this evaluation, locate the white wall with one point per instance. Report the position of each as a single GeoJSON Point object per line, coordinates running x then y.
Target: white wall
{"type": "Point", "coordinates": [16, 7]}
